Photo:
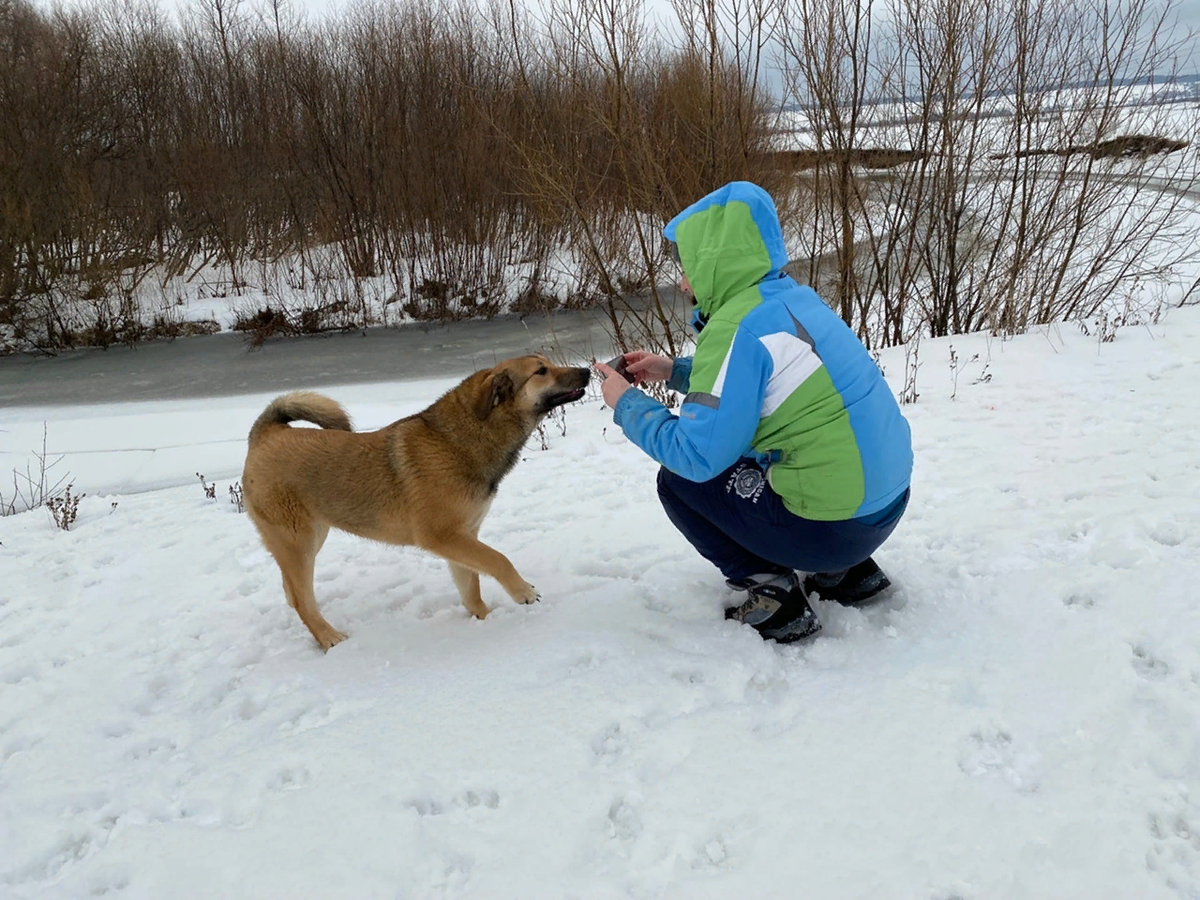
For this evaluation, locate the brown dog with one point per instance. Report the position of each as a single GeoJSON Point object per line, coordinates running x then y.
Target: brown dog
{"type": "Point", "coordinates": [426, 480]}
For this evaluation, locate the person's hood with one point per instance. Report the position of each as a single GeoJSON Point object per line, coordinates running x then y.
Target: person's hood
{"type": "Point", "coordinates": [728, 241]}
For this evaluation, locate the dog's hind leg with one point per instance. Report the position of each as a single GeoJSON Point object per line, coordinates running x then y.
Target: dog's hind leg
{"type": "Point", "coordinates": [467, 582]}
{"type": "Point", "coordinates": [473, 554]}
{"type": "Point", "coordinates": [319, 538]}
{"type": "Point", "coordinates": [296, 563]}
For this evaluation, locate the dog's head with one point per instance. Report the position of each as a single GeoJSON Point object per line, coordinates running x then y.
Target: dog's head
{"type": "Point", "coordinates": [529, 386]}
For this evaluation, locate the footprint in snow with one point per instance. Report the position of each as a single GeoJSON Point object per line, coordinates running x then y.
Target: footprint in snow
{"type": "Point", "coordinates": [991, 753]}
{"type": "Point", "coordinates": [1079, 600]}
{"type": "Point", "coordinates": [624, 824]}
{"type": "Point", "coordinates": [18, 745]}
{"type": "Point", "coordinates": [713, 855]}
{"type": "Point", "coordinates": [462, 802]}
{"type": "Point", "coordinates": [611, 742]}
{"type": "Point", "coordinates": [290, 778]}
{"type": "Point", "coordinates": [149, 748]}
{"type": "Point", "coordinates": [19, 673]}
{"type": "Point", "coordinates": [307, 714]}
{"type": "Point", "coordinates": [1168, 534]}
{"type": "Point", "coordinates": [109, 880]}
{"type": "Point", "coordinates": [1175, 846]}
{"type": "Point", "coordinates": [472, 799]}
{"type": "Point", "coordinates": [1147, 665]}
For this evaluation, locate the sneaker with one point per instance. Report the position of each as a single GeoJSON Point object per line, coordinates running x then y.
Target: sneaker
{"type": "Point", "coordinates": [853, 587]}
{"type": "Point", "coordinates": [776, 607]}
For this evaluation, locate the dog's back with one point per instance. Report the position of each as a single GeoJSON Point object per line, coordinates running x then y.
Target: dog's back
{"type": "Point", "coordinates": [304, 478]}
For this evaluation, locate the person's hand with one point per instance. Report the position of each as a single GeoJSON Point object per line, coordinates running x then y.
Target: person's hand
{"type": "Point", "coordinates": [646, 367]}
{"type": "Point", "coordinates": [614, 385]}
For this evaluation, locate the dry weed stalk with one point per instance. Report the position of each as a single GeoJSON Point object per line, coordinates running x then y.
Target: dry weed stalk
{"type": "Point", "coordinates": [210, 490]}
{"type": "Point", "coordinates": [64, 508]}
{"type": "Point", "coordinates": [33, 488]}
{"type": "Point", "coordinates": [237, 497]}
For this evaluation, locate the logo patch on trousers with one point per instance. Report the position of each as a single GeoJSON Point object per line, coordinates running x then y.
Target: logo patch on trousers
{"type": "Point", "coordinates": [747, 483]}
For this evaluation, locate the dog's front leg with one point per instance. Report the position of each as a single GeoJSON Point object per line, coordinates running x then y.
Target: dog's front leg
{"type": "Point", "coordinates": [467, 582]}
{"type": "Point", "coordinates": [477, 556]}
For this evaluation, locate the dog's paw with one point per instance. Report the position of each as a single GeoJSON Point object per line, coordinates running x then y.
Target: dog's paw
{"type": "Point", "coordinates": [528, 594]}
{"type": "Point", "coordinates": [330, 638]}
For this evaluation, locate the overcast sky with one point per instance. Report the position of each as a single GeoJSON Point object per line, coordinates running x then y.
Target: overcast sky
{"type": "Point", "coordinates": [1187, 12]}
{"type": "Point", "coordinates": [1190, 14]}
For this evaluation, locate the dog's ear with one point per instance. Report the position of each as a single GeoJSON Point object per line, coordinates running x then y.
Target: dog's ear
{"type": "Point", "coordinates": [497, 389]}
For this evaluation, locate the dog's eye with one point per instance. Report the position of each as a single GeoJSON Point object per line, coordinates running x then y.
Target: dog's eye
{"type": "Point", "coordinates": [541, 371]}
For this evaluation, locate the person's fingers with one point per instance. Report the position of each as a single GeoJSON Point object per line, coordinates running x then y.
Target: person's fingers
{"type": "Point", "coordinates": [639, 365]}
{"type": "Point", "coordinates": [604, 370]}
{"type": "Point", "coordinates": [637, 376]}
{"type": "Point", "coordinates": [652, 368]}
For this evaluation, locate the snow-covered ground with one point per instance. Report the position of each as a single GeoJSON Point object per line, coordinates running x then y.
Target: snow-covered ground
{"type": "Point", "coordinates": [1168, 109]}
{"type": "Point", "coordinates": [1021, 718]}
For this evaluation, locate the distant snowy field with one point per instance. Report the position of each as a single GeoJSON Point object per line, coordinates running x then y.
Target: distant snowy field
{"type": "Point", "coordinates": [1020, 718]}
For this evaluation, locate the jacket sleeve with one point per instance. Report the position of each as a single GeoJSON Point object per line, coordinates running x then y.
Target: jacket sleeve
{"type": "Point", "coordinates": [681, 374]}
{"type": "Point", "coordinates": [716, 423]}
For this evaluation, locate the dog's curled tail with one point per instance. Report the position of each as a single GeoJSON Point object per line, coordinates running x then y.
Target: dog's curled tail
{"type": "Point", "coordinates": [304, 406]}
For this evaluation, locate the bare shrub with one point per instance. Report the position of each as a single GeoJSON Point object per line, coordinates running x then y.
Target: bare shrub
{"type": "Point", "coordinates": [986, 165]}
{"type": "Point", "coordinates": [1033, 169]}
{"type": "Point", "coordinates": [263, 324]}
{"type": "Point", "coordinates": [36, 485]}
{"type": "Point", "coordinates": [64, 507]}
{"type": "Point", "coordinates": [615, 131]}
{"type": "Point", "coordinates": [548, 155]}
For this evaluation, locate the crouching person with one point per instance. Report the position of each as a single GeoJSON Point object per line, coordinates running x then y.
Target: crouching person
{"type": "Point", "coordinates": [789, 451]}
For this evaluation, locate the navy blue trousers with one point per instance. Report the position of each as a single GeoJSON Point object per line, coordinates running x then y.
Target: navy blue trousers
{"type": "Point", "coordinates": [742, 527]}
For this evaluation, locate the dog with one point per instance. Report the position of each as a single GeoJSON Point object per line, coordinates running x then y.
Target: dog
{"type": "Point", "coordinates": [425, 480]}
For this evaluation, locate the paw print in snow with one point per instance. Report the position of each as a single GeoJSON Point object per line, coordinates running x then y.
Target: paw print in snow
{"type": "Point", "coordinates": [992, 753]}
{"type": "Point", "coordinates": [1174, 854]}
{"type": "Point", "coordinates": [1147, 665]}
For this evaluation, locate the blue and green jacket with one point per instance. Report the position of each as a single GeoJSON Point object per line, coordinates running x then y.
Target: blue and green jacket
{"type": "Point", "coordinates": [776, 374]}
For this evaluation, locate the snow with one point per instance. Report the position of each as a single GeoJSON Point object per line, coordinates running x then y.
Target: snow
{"type": "Point", "coordinates": [1020, 718]}
{"type": "Point", "coordinates": [1168, 109]}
